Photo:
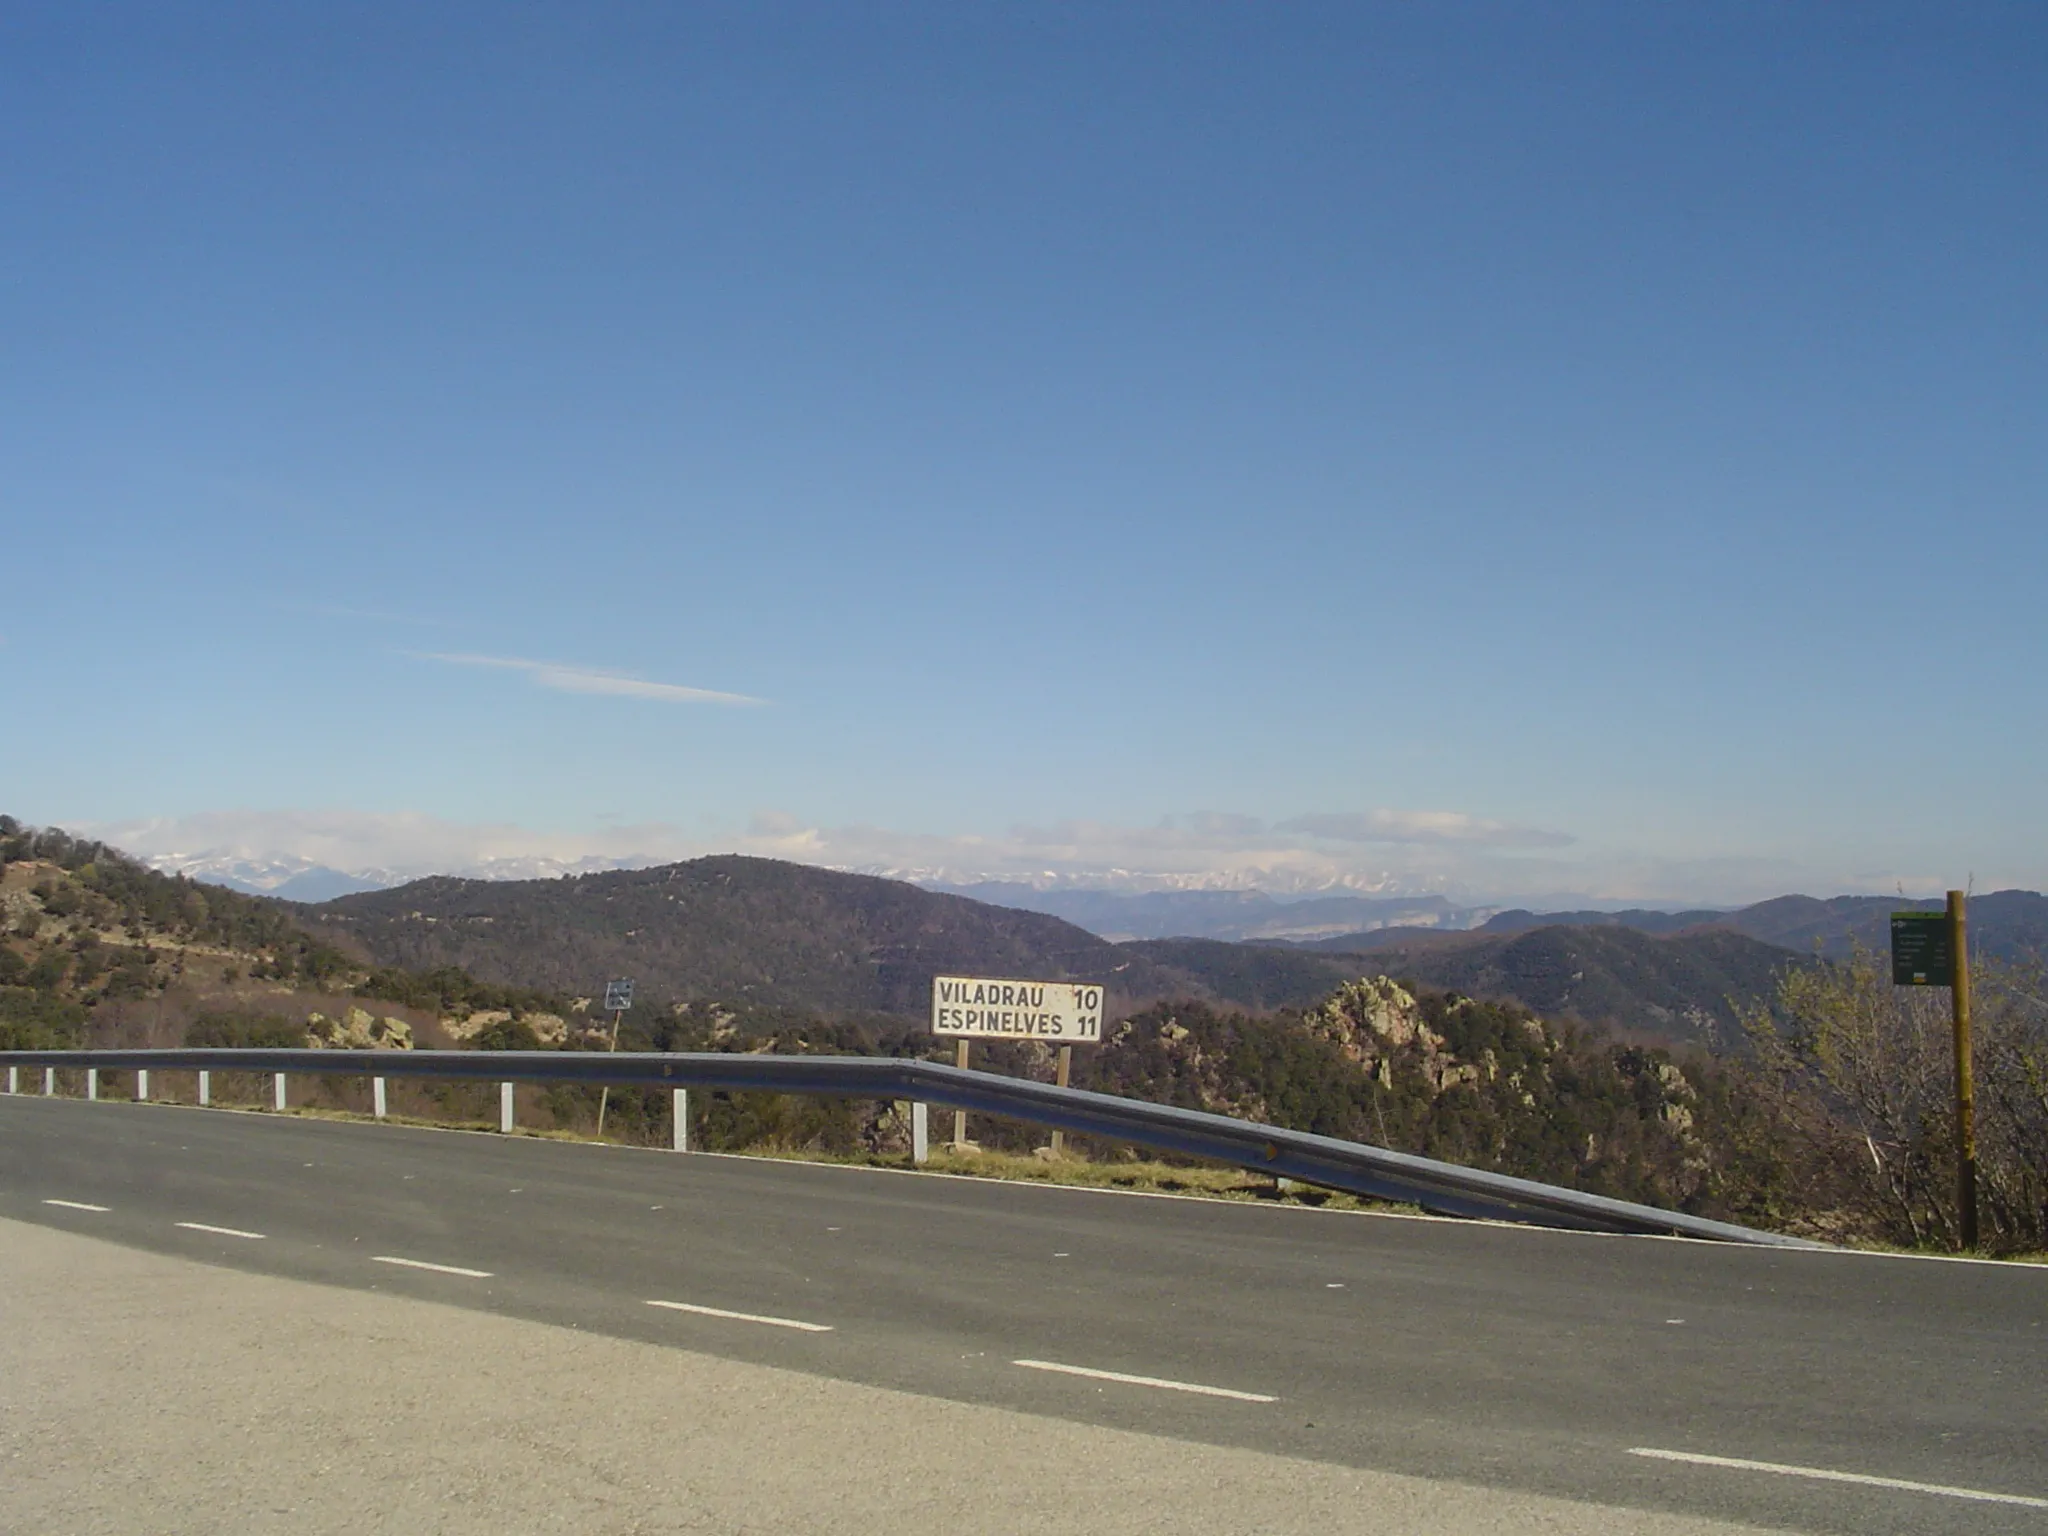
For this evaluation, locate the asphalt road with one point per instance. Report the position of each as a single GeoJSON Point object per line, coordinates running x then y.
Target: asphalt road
{"type": "Point", "coordinates": [1539, 1361]}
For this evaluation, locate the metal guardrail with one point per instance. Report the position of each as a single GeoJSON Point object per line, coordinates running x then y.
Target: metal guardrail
{"type": "Point", "coordinates": [1354, 1167]}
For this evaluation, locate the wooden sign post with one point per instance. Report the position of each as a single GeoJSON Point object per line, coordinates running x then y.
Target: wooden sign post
{"type": "Point", "coordinates": [961, 1058]}
{"type": "Point", "coordinates": [1966, 1075]}
{"type": "Point", "coordinates": [1065, 1074]}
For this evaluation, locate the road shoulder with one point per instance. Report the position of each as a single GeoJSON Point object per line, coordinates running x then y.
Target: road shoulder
{"type": "Point", "coordinates": [144, 1393]}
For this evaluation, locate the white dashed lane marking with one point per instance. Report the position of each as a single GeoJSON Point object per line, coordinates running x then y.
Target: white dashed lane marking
{"type": "Point", "coordinates": [200, 1226]}
{"type": "Point", "coordinates": [439, 1269]}
{"type": "Point", "coordinates": [742, 1317]}
{"type": "Point", "coordinates": [1825, 1475]}
{"type": "Point", "coordinates": [1145, 1381]}
{"type": "Point", "coordinates": [77, 1205]}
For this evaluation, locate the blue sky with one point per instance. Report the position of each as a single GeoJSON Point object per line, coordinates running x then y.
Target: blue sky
{"type": "Point", "coordinates": [1517, 448]}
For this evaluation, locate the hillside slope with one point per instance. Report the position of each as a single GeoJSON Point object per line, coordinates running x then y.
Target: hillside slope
{"type": "Point", "coordinates": [741, 930]}
{"type": "Point", "coordinates": [1223, 915]}
{"type": "Point", "coordinates": [761, 933]}
{"type": "Point", "coordinates": [1684, 986]}
{"type": "Point", "coordinates": [1261, 977]}
{"type": "Point", "coordinates": [2005, 925]}
{"type": "Point", "coordinates": [98, 949]}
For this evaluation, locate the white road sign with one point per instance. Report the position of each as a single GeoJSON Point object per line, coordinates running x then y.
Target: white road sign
{"type": "Point", "coordinates": [979, 1007]}
{"type": "Point", "coordinates": [618, 996]}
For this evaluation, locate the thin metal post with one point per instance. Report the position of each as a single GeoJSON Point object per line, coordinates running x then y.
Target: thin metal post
{"type": "Point", "coordinates": [377, 1097]}
{"type": "Point", "coordinates": [92, 1082]}
{"type": "Point", "coordinates": [205, 1089]}
{"type": "Point", "coordinates": [960, 1060]}
{"type": "Point", "coordinates": [1065, 1072]}
{"type": "Point", "coordinates": [679, 1117]}
{"type": "Point", "coordinates": [920, 1133]}
{"type": "Point", "coordinates": [1966, 1077]}
{"type": "Point", "coordinates": [604, 1099]}
{"type": "Point", "coordinates": [277, 1091]}
{"type": "Point", "coordinates": [142, 1085]}
{"type": "Point", "coordinates": [504, 1109]}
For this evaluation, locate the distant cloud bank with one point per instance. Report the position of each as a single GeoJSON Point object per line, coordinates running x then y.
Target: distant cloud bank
{"type": "Point", "coordinates": [315, 852]}
{"type": "Point", "coordinates": [1421, 827]}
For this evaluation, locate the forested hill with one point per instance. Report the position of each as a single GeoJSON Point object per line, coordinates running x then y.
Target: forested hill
{"type": "Point", "coordinates": [2005, 925]}
{"type": "Point", "coordinates": [733, 929]}
{"type": "Point", "coordinates": [1684, 987]}
{"type": "Point", "coordinates": [760, 932]}
{"type": "Point", "coordinates": [99, 949]}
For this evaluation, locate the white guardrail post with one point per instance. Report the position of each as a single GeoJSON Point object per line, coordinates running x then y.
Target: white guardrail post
{"type": "Point", "coordinates": [142, 1085]}
{"type": "Point", "coordinates": [377, 1100]}
{"type": "Point", "coordinates": [504, 1109]}
{"type": "Point", "coordinates": [49, 1082]}
{"type": "Point", "coordinates": [1275, 1151]}
{"type": "Point", "coordinates": [679, 1116]}
{"type": "Point", "coordinates": [920, 1133]}
{"type": "Point", "coordinates": [205, 1089]}
{"type": "Point", "coordinates": [14, 1079]}
{"type": "Point", "coordinates": [277, 1091]}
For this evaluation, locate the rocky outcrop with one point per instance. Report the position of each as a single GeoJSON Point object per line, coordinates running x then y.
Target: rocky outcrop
{"type": "Point", "coordinates": [358, 1030]}
{"type": "Point", "coordinates": [1373, 1019]}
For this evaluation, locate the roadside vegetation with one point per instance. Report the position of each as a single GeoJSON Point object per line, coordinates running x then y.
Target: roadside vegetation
{"type": "Point", "coordinates": [1830, 1117]}
{"type": "Point", "coordinates": [1854, 1078]}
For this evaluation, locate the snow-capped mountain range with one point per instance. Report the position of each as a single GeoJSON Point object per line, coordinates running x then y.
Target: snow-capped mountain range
{"type": "Point", "coordinates": [300, 879]}
{"type": "Point", "coordinates": [295, 879]}
{"type": "Point", "coordinates": [1114, 903]}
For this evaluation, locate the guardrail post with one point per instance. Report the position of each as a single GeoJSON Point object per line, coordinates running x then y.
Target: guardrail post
{"type": "Point", "coordinates": [14, 1079]}
{"type": "Point", "coordinates": [92, 1082]}
{"type": "Point", "coordinates": [377, 1097]}
{"type": "Point", "coordinates": [142, 1085]}
{"type": "Point", "coordinates": [205, 1089]}
{"type": "Point", "coordinates": [49, 1082]}
{"type": "Point", "coordinates": [920, 1133]}
{"type": "Point", "coordinates": [679, 1118]}
{"type": "Point", "coordinates": [277, 1091]}
{"type": "Point", "coordinates": [504, 1109]}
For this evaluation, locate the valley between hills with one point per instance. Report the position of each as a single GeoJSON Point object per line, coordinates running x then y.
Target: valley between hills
{"type": "Point", "coordinates": [1677, 1059]}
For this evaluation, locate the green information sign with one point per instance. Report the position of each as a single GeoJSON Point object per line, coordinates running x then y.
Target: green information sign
{"type": "Point", "coordinates": [1923, 950]}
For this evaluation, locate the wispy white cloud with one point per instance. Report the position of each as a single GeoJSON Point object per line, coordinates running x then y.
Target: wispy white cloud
{"type": "Point", "coordinates": [1383, 826]}
{"type": "Point", "coordinates": [572, 679]}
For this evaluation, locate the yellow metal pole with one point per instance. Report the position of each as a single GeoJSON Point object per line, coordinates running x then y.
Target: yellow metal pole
{"type": "Point", "coordinates": [1966, 1078]}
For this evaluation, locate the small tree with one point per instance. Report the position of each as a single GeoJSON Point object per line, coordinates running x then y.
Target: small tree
{"type": "Point", "coordinates": [2011, 1021]}
{"type": "Point", "coordinates": [1861, 1077]}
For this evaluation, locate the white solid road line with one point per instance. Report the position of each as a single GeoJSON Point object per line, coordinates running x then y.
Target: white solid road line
{"type": "Point", "coordinates": [1145, 1381]}
{"type": "Point", "coordinates": [200, 1226]}
{"type": "Point", "coordinates": [743, 1317]}
{"type": "Point", "coordinates": [75, 1205]}
{"type": "Point", "coordinates": [1823, 1474]}
{"type": "Point", "coordinates": [439, 1269]}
